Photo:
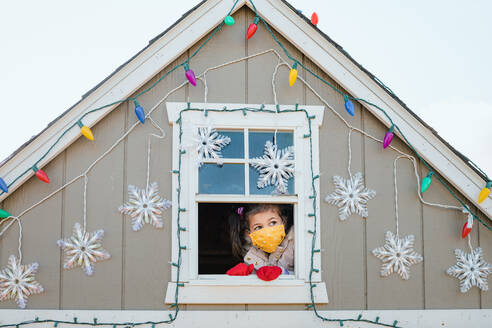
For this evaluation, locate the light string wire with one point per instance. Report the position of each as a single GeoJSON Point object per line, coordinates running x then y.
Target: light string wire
{"type": "Point", "coordinates": [19, 246]}
{"type": "Point", "coordinates": [219, 27]}
{"type": "Point", "coordinates": [146, 90]}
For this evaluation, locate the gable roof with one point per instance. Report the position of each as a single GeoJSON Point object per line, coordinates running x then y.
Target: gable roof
{"type": "Point", "coordinates": [297, 29]}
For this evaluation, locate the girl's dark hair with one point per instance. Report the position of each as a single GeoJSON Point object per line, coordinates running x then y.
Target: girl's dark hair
{"type": "Point", "coordinates": [240, 223]}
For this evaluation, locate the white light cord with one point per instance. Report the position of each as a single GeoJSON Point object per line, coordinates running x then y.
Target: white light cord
{"type": "Point", "coordinates": [13, 219]}
{"type": "Point", "coordinates": [160, 136]}
{"type": "Point", "coordinates": [86, 180]}
{"type": "Point", "coordinates": [396, 192]}
{"type": "Point", "coordinates": [274, 87]}
{"type": "Point", "coordinates": [469, 243]}
{"type": "Point", "coordinates": [349, 153]}
{"type": "Point", "coordinates": [414, 162]}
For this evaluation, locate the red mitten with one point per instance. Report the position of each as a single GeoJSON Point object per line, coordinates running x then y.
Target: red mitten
{"type": "Point", "coordinates": [269, 273]}
{"type": "Point", "coordinates": [241, 269]}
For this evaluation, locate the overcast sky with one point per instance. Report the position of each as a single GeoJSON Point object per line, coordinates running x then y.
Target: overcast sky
{"type": "Point", "coordinates": [435, 55]}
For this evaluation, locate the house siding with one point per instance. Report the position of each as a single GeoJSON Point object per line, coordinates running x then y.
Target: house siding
{"type": "Point", "coordinates": [137, 274]}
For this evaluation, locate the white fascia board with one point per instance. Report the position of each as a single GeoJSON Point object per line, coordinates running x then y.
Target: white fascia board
{"type": "Point", "coordinates": [360, 85]}
{"type": "Point", "coordinates": [119, 86]}
{"type": "Point", "coordinates": [457, 318]}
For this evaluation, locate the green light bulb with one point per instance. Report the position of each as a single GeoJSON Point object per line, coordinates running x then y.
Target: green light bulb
{"type": "Point", "coordinates": [426, 182]}
{"type": "Point", "coordinates": [229, 21]}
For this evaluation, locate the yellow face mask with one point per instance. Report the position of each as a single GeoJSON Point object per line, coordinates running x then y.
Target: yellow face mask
{"type": "Point", "coordinates": [268, 238]}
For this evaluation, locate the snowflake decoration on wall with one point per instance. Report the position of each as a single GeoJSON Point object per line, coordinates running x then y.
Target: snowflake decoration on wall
{"type": "Point", "coordinates": [276, 167]}
{"type": "Point", "coordinates": [17, 281]}
{"type": "Point", "coordinates": [470, 269]}
{"type": "Point", "coordinates": [350, 196]}
{"type": "Point", "coordinates": [209, 144]}
{"type": "Point", "coordinates": [145, 206]}
{"type": "Point", "coordinates": [397, 255]}
{"type": "Point", "coordinates": [83, 249]}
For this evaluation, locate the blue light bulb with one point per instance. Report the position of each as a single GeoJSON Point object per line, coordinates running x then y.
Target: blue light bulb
{"type": "Point", "coordinates": [139, 112]}
{"type": "Point", "coordinates": [3, 186]}
{"type": "Point", "coordinates": [349, 106]}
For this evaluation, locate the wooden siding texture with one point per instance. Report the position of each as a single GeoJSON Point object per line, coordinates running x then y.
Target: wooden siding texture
{"type": "Point", "coordinates": [136, 276]}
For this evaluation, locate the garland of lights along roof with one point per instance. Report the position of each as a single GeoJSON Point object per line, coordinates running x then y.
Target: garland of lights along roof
{"type": "Point", "coordinates": [140, 113]}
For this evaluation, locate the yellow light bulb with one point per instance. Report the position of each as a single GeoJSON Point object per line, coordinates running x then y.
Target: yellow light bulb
{"type": "Point", "coordinates": [86, 132]}
{"type": "Point", "coordinates": [483, 194]}
{"type": "Point", "coordinates": [292, 76]}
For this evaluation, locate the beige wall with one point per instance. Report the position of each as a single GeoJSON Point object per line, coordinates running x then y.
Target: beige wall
{"type": "Point", "coordinates": [137, 274]}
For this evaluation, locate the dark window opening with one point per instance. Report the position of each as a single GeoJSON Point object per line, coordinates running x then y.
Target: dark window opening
{"type": "Point", "coordinates": [214, 246]}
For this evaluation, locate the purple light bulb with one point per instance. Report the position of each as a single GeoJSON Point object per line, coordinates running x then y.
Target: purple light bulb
{"type": "Point", "coordinates": [388, 137]}
{"type": "Point", "coordinates": [190, 75]}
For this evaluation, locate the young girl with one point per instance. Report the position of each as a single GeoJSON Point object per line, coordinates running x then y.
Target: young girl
{"type": "Point", "coordinates": [258, 236]}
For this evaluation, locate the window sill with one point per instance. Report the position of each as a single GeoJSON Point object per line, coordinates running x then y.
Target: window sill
{"type": "Point", "coordinates": [287, 291]}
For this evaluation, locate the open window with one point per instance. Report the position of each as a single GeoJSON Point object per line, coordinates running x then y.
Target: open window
{"type": "Point", "coordinates": [207, 191]}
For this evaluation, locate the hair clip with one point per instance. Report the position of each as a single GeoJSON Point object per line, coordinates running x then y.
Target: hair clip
{"type": "Point", "coordinates": [240, 211]}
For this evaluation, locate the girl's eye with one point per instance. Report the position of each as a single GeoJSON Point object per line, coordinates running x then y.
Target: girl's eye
{"type": "Point", "coordinates": [272, 223]}
{"type": "Point", "coordinates": [257, 228]}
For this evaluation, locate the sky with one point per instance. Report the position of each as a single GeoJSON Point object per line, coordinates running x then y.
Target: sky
{"type": "Point", "coordinates": [435, 55]}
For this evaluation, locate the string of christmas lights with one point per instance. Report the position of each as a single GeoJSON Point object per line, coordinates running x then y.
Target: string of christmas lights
{"type": "Point", "coordinates": [4, 187]}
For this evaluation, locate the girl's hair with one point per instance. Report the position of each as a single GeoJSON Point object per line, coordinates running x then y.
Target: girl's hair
{"type": "Point", "coordinates": [239, 223]}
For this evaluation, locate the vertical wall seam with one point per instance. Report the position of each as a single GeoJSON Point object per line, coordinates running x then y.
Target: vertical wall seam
{"type": "Point", "coordinates": [246, 67]}
{"type": "Point", "coordinates": [62, 210]}
{"type": "Point", "coordinates": [423, 242]}
{"type": "Point", "coordinates": [364, 222]}
{"type": "Point", "coordinates": [475, 210]}
{"type": "Point", "coordinates": [304, 89]}
{"type": "Point", "coordinates": [123, 232]}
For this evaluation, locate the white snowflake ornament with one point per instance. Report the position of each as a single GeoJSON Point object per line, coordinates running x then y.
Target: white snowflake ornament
{"type": "Point", "coordinates": [397, 255]}
{"type": "Point", "coordinates": [350, 196]}
{"type": "Point", "coordinates": [145, 206]}
{"type": "Point", "coordinates": [209, 144]}
{"type": "Point", "coordinates": [276, 167]}
{"type": "Point", "coordinates": [470, 269]}
{"type": "Point", "coordinates": [17, 281]}
{"type": "Point", "coordinates": [83, 249]}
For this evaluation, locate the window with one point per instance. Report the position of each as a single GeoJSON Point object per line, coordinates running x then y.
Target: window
{"type": "Point", "coordinates": [209, 191]}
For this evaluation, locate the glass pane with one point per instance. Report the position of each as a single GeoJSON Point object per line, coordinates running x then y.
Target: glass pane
{"type": "Point", "coordinates": [225, 179]}
{"type": "Point", "coordinates": [268, 190]}
{"type": "Point", "coordinates": [257, 141]}
{"type": "Point", "coordinates": [235, 149]}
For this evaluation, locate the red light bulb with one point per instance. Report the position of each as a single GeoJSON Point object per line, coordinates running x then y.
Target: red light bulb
{"type": "Point", "coordinates": [467, 227]}
{"type": "Point", "coordinates": [41, 175]}
{"type": "Point", "coordinates": [314, 18]}
{"type": "Point", "coordinates": [252, 28]}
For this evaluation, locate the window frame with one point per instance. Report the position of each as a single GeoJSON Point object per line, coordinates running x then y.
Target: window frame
{"type": "Point", "coordinates": [298, 123]}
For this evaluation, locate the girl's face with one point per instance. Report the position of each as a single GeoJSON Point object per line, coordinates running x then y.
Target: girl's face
{"type": "Point", "coordinates": [264, 219]}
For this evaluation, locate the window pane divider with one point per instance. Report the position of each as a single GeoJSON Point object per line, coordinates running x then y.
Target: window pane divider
{"type": "Point", "coordinates": [214, 198]}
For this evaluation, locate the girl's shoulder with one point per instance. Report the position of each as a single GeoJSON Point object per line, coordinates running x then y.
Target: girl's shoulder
{"type": "Point", "coordinates": [290, 233]}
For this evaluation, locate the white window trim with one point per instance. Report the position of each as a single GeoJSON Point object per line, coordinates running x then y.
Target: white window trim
{"type": "Point", "coordinates": [219, 289]}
